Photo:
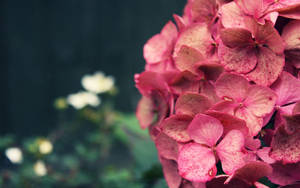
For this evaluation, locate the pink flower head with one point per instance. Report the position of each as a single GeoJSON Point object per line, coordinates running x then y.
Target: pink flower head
{"type": "Point", "coordinates": [205, 132]}
{"type": "Point", "coordinates": [221, 94]}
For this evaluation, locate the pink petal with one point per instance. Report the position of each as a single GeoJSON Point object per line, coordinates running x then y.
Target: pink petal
{"type": "Point", "coordinates": [184, 82]}
{"type": "Point", "coordinates": [296, 109]}
{"type": "Point", "coordinates": [196, 163]}
{"type": "Point", "coordinates": [176, 127]}
{"type": "Point", "coordinates": [285, 174]}
{"type": "Point", "coordinates": [264, 155]}
{"type": "Point", "coordinates": [232, 16]}
{"type": "Point", "coordinates": [180, 22]}
{"type": "Point", "coordinates": [169, 32]}
{"type": "Point", "coordinates": [148, 81]}
{"type": "Point", "coordinates": [219, 182]}
{"type": "Point", "coordinates": [205, 129]}
{"type": "Point", "coordinates": [286, 147]}
{"type": "Point", "coordinates": [292, 123]}
{"type": "Point", "coordinates": [230, 151]}
{"type": "Point", "coordinates": [232, 86]}
{"type": "Point", "coordinates": [203, 10]}
{"type": "Point", "coordinates": [186, 58]}
{"type": "Point", "coordinates": [287, 88]}
{"type": "Point", "coordinates": [208, 89]}
{"type": "Point", "coordinates": [265, 72]}
{"type": "Point", "coordinates": [150, 107]}
{"type": "Point", "coordinates": [159, 46]}
{"type": "Point", "coordinates": [192, 104]}
{"type": "Point", "coordinates": [286, 110]}
{"type": "Point", "coordinates": [166, 147]}
{"type": "Point", "coordinates": [252, 143]}
{"type": "Point", "coordinates": [253, 8]}
{"type": "Point", "coordinates": [260, 101]}
{"type": "Point", "coordinates": [229, 122]}
{"type": "Point", "coordinates": [291, 35]}
{"type": "Point", "coordinates": [196, 36]}
{"type": "Point", "coordinates": [277, 5]}
{"type": "Point", "coordinates": [155, 49]}
{"type": "Point", "coordinates": [238, 59]}
{"type": "Point", "coordinates": [253, 122]}
{"type": "Point", "coordinates": [253, 171]}
{"type": "Point", "coordinates": [171, 175]}
{"type": "Point", "coordinates": [211, 71]}
{"type": "Point", "coordinates": [236, 37]}
{"type": "Point", "coordinates": [259, 185]}
{"type": "Point", "coordinates": [292, 12]}
{"type": "Point", "coordinates": [226, 106]}
{"type": "Point", "coordinates": [145, 113]}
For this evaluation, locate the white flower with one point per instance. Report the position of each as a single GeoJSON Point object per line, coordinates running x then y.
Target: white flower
{"type": "Point", "coordinates": [82, 99]}
{"type": "Point", "coordinates": [97, 83]}
{"type": "Point", "coordinates": [40, 168]}
{"type": "Point", "coordinates": [14, 154]}
{"type": "Point", "coordinates": [45, 146]}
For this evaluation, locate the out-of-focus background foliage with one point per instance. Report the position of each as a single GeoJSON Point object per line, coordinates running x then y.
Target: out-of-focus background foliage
{"type": "Point", "coordinates": [47, 47]}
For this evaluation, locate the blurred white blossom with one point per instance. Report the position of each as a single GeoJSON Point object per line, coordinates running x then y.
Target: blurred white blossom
{"type": "Point", "coordinates": [97, 83]}
{"type": "Point", "coordinates": [82, 99]}
{"type": "Point", "coordinates": [40, 168]}
{"type": "Point", "coordinates": [14, 154]}
{"type": "Point", "coordinates": [45, 146]}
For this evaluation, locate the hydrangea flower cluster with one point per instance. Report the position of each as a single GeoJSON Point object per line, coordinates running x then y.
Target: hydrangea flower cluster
{"type": "Point", "coordinates": [221, 94]}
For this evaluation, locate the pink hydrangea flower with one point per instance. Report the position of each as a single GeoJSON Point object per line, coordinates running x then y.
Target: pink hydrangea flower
{"type": "Point", "coordinates": [221, 94]}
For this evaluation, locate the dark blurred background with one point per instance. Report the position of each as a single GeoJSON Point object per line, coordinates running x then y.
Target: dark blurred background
{"type": "Point", "coordinates": [48, 45]}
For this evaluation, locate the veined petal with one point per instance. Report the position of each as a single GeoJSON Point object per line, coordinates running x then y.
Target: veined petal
{"type": "Point", "coordinates": [232, 16]}
{"type": "Point", "coordinates": [196, 163]}
{"type": "Point", "coordinates": [187, 57]}
{"type": "Point", "coordinates": [230, 151]}
{"type": "Point", "coordinates": [205, 129]}
{"type": "Point", "coordinates": [192, 104]}
{"type": "Point", "coordinates": [145, 112]}
{"type": "Point", "coordinates": [176, 127]}
{"type": "Point", "coordinates": [238, 59]}
{"type": "Point", "coordinates": [260, 100]}
{"type": "Point", "coordinates": [236, 37]}
{"type": "Point", "coordinates": [253, 171]}
{"type": "Point", "coordinates": [232, 86]}
{"type": "Point", "coordinates": [287, 88]}
{"type": "Point", "coordinates": [253, 122]}
{"type": "Point", "coordinates": [229, 122]}
{"type": "Point", "coordinates": [285, 174]}
{"type": "Point", "coordinates": [269, 67]}
{"type": "Point", "coordinates": [171, 175]}
{"type": "Point", "coordinates": [155, 49]}
{"type": "Point", "coordinates": [291, 35]}
{"type": "Point", "coordinates": [286, 147]}
{"type": "Point", "coordinates": [166, 147]}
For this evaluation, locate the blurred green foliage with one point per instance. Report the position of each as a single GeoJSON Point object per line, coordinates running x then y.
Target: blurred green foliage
{"type": "Point", "coordinates": [92, 147]}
